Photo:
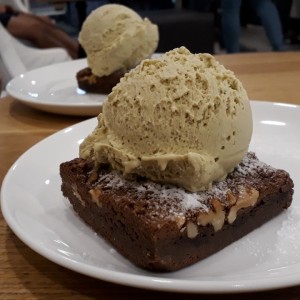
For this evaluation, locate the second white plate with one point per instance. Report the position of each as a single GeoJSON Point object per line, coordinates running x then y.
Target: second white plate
{"type": "Point", "coordinates": [54, 89]}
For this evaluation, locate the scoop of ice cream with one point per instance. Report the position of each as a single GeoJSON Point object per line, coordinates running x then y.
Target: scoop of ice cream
{"type": "Point", "coordinates": [115, 37]}
{"type": "Point", "coordinates": [181, 118]}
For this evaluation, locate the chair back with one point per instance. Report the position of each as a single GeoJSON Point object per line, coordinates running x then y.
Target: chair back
{"type": "Point", "coordinates": [11, 64]}
{"type": "Point", "coordinates": [17, 58]}
{"type": "Point", "coordinates": [19, 5]}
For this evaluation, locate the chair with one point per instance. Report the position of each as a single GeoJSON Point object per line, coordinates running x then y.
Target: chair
{"type": "Point", "coordinates": [17, 58]}
{"type": "Point", "coordinates": [178, 27]}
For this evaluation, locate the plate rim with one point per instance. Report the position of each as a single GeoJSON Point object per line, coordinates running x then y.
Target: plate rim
{"type": "Point", "coordinates": [151, 282]}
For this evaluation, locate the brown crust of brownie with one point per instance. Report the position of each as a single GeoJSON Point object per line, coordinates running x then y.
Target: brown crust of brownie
{"type": "Point", "coordinates": [130, 219]}
{"type": "Point", "coordinates": [91, 83]}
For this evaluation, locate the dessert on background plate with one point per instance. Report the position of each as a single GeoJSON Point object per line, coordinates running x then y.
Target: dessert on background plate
{"type": "Point", "coordinates": [167, 177]}
{"type": "Point", "coordinates": [115, 39]}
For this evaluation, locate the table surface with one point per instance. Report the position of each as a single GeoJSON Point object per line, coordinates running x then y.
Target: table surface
{"type": "Point", "coordinates": [26, 275]}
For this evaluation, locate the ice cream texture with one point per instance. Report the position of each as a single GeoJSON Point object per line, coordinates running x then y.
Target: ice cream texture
{"type": "Point", "coordinates": [181, 119]}
{"type": "Point", "coordinates": [115, 37]}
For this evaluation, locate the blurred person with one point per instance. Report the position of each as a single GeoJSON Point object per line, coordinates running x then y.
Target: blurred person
{"type": "Point", "coordinates": [268, 15]}
{"type": "Point", "coordinates": [38, 30]}
{"type": "Point", "coordinates": [284, 9]}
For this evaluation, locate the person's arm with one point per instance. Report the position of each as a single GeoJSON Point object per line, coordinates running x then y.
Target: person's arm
{"type": "Point", "coordinates": [2, 9]}
{"type": "Point", "coordinates": [6, 9]}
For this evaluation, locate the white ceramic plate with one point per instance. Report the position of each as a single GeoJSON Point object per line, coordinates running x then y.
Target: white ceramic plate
{"type": "Point", "coordinates": [267, 258]}
{"type": "Point", "coordinates": [54, 89]}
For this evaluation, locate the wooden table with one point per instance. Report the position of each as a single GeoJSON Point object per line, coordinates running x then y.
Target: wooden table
{"type": "Point", "coordinates": [27, 275]}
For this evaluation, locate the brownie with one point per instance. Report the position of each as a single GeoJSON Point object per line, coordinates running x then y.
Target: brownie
{"type": "Point", "coordinates": [164, 228]}
{"type": "Point", "coordinates": [91, 83]}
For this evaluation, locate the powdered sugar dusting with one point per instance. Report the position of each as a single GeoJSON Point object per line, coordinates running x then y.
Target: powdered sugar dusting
{"type": "Point", "coordinates": [168, 200]}
{"type": "Point", "coordinates": [290, 230]}
{"type": "Point", "coordinates": [250, 166]}
{"type": "Point", "coordinates": [162, 194]}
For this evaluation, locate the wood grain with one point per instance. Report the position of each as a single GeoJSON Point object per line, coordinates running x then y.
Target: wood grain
{"type": "Point", "coordinates": [26, 275]}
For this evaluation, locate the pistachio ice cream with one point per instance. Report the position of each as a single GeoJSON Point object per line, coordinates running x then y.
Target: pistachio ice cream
{"type": "Point", "coordinates": [181, 119]}
{"type": "Point", "coordinates": [115, 37]}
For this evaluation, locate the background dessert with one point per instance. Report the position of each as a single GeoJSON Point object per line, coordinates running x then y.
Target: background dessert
{"type": "Point", "coordinates": [115, 39]}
